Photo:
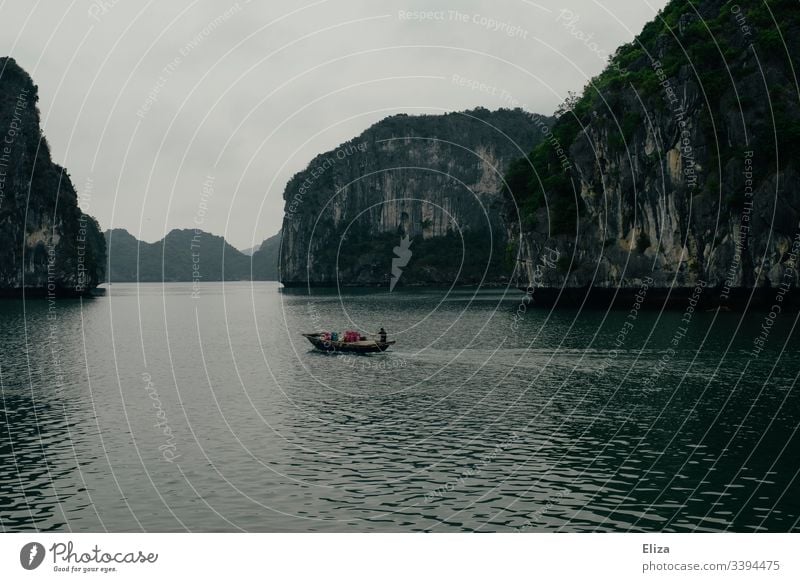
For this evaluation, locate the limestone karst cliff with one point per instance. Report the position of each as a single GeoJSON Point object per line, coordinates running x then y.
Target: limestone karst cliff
{"type": "Point", "coordinates": [681, 168]}
{"type": "Point", "coordinates": [433, 180]}
{"type": "Point", "coordinates": [675, 168]}
{"type": "Point", "coordinates": [47, 245]}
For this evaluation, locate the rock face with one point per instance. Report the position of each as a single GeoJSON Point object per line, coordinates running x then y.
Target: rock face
{"type": "Point", "coordinates": [675, 173]}
{"type": "Point", "coordinates": [47, 245]}
{"type": "Point", "coordinates": [265, 259]}
{"type": "Point", "coordinates": [433, 181]}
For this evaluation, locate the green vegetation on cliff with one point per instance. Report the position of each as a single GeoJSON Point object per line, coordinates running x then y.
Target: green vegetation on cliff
{"type": "Point", "coordinates": [714, 45]}
{"type": "Point", "coordinates": [683, 143]}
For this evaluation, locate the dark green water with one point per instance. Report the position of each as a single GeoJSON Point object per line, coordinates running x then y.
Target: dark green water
{"type": "Point", "coordinates": [150, 410]}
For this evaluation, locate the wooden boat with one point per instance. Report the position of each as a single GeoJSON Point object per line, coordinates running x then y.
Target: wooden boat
{"type": "Point", "coordinates": [360, 347]}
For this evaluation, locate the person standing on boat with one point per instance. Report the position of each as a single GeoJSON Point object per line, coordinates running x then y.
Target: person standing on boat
{"type": "Point", "coordinates": [382, 334]}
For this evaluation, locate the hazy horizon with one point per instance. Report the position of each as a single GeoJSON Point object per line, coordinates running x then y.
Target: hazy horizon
{"type": "Point", "coordinates": [145, 105]}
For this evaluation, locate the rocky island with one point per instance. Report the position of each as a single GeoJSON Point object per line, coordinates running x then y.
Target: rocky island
{"type": "Point", "coordinates": [435, 181]}
{"type": "Point", "coordinates": [680, 171]}
{"type": "Point", "coordinates": [48, 246]}
{"type": "Point", "coordinates": [675, 167]}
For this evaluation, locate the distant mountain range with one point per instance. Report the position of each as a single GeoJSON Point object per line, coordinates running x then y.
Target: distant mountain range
{"type": "Point", "coordinates": [184, 252]}
{"type": "Point", "coordinates": [251, 250]}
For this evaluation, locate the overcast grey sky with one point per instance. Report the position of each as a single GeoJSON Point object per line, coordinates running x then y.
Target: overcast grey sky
{"type": "Point", "coordinates": [146, 101]}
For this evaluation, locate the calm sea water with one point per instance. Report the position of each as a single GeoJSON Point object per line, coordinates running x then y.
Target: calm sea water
{"type": "Point", "coordinates": [151, 410]}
